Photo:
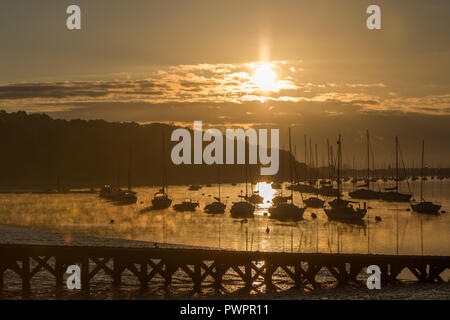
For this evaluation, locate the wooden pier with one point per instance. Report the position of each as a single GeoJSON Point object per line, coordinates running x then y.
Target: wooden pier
{"type": "Point", "coordinates": [146, 263]}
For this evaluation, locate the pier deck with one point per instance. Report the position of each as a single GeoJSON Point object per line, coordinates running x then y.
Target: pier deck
{"type": "Point", "coordinates": [146, 263]}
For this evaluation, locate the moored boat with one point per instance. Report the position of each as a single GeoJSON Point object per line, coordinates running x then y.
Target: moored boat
{"type": "Point", "coordinates": [424, 206]}
{"type": "Point", "coordinates": [186, 205]}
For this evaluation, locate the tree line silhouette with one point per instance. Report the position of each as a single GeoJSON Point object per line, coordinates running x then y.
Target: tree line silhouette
{"type": "Point", "coordinates": [41, 152]}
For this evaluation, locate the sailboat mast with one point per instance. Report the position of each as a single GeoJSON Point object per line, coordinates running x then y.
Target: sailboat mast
{"type": "Point", "coordinates": [329, 164]}
{"type": "Point", "coordinates": [317, 164]}
{"type": "Point", "coordinates": [129, 169]}
{"type": "Point", "coordinates": [396, 163]}
{"type": "Point", "coordinates": [163, 163]}
{"type": "Point", "coordinates": [311, 159]}
{"type": "Point", "coordinates": [421, 171]}
{"type": "Point", "coordinates": [246, 182]}
{"type": "Point", "coordinates": [306, 165]}
{"type": "Point", "coordinates": [353, 169]}
{"type": "Point", "coordinates": [332, 165]}
{"type": "Point", "coordinates": [290, 161]}
{"type": "Point", "coordinates": [218, 169]}
{"type": "Point", "coordinates": [368, 161]}
{"type": "Point", "coordinates": [339, 164]}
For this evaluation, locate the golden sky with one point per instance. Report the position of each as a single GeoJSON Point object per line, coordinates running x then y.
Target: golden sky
{"type": "Point", "coordinates": [312, 65]}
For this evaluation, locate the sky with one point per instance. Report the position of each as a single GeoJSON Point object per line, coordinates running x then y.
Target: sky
{"type": "Point", "coordinates": [309, 65]}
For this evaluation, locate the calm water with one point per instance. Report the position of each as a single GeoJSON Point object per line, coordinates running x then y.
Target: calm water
{"type": "Point", "coordinates": [90, 215]}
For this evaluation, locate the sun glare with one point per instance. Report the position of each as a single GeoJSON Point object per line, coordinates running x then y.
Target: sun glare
{"type": "Point", "coordinates": [265, 78]}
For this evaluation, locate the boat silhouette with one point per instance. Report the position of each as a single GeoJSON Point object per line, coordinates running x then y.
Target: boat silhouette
{"type": "Point", "coordinates": [424, 206]}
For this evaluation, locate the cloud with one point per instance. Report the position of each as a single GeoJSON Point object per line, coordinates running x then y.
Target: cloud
{"type": "Point", "coordinates": [219, 84]}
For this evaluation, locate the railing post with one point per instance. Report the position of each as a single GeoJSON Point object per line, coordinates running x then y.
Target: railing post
{"type": "Point", "coordinates": [268, 275]}
{"type": "Point", "coordinates": [2, 270]}
{"type": "Point", "coordinates": [117, 271]}
{"type": "Point", "coordinates": [218, 275]}
{"type": "Point", "coordinates": [144, 276]}
{"type": "Point", "coordinates": [59, 272]}
{"type": "Point", "coordinates": [197, 277]}
{"type": "Point", "coordinates": [248, 276]}
{"type": "Point", "coordinates": [85, 274]}
{"type": "Point", "coordinates": [26, 275]}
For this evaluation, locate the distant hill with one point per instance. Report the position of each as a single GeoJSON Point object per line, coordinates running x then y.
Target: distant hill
{"type": "Point", "coordinates": [37, 151]}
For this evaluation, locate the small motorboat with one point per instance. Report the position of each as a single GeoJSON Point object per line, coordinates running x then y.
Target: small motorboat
{"type": "Point", "coordinates": [186, 205]}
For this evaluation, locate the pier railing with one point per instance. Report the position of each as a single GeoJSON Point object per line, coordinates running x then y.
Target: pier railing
{"type": "Point", "coordinates": [147, 263]}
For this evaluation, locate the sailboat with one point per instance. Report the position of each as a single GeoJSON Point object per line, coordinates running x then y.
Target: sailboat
{"type": "Point", "coordinates": [367, 194]}
{"type": "Point", "coordinates": [161, 199]}
{"type": "Point", "coordinates": [255, 198]}
{"type": "Point", "coordinates": [116, 194]}
{"type": "Point", "coordinates": [216, 207]}
{"type": "Point", "coordinates": [287, 210]}
{"type": "Point", "coordinates": [315, 202]}
{"type": "Point", "coordinates": [243, 209]}
{"type": "Point", "coordinates": [341, 209]}
{"type": "Point", "coordinates": [425, 206]}
{"type": "Point", "coordinates": [327, 190]}
{"type": "Point", "coordinates": [127, 196]}
{"type": "Point", "coordinates": [392, 194]}
{"type": "Point", "coordinates": [303, 187]}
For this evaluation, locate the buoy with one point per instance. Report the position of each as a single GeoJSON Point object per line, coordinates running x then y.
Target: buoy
{"type": "Point", "coordinates": [267, 229]}
{"type": "Point", "coordinates": [377, 218]}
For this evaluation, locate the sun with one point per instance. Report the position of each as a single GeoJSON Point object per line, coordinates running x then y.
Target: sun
{"type": "Point", "coordinates": [265, 78]}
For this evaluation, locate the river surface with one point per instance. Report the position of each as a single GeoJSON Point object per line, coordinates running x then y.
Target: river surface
{"type": "Point", "coordinates": [399, 231]}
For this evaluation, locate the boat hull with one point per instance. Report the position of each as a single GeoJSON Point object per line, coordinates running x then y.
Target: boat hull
{"type": "Point", "coordinates": [215, 208]}
{"type": "Point", "coordinates": [286, 211]}
{"type": "Point", "coordinates": [365, 194]}
{"type": "Point", "coordinates": [314, 202]}
{"type": "Point", "coordinates": [395, 197]}
{"type": "Point", "coordinates": [242, 209]}
{"type": "Point", "coordinates": [426, 207]}
{"type": "Point", "coordinates": [161, 203]}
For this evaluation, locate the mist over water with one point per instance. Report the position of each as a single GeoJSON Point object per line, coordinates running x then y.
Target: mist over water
{"type": "Point", "coordinates": [89, 215]}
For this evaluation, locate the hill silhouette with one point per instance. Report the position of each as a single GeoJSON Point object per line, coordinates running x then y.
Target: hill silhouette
{"type": "Point", "coordinates": [38, 151]}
